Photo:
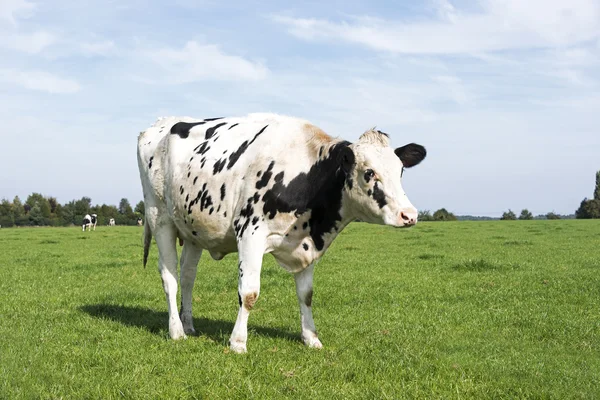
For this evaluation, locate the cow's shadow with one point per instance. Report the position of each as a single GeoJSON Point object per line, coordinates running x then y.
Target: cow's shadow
{"type": "Point", "coordinates": [157, 322]}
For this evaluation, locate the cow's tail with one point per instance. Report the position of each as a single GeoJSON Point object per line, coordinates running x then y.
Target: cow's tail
{"type": "Point", "coordinates": [147, 241]}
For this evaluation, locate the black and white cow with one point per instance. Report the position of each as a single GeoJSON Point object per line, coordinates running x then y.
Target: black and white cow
{"type": "Point", "coordinates": [261, 184]}
{"type": "Point", "coordinates": [111, 222]}
{"type": "Point", "coordinates": [89, 221]}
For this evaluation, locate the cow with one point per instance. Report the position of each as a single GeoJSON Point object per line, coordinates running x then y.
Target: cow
{"type": "Point", "coordinates": [111, 222]}
{"type": "Point", "coordinates": [140, 222]}
{"type": "Point", "coordinates": [89, 221]}
{"type": "Point", "coordinates": [259, 184]}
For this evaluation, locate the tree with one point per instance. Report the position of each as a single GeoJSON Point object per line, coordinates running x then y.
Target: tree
{"type": "Point", "coordinates": [7, 217]}
{"type": "Point", "coordinates": [425, 215]}
{"type": "Point", "coordinates": [125, 207]}
{"type": "Point", "coordinates": [82, 206]}
{"type": "Point", "coordinates": [140, 208]}
{"type": "Point", "coordinates": [19, 212]}
{"type": "Point", "coordinates": [525, 214]}
{"type": "Point", "coordinates": [597, 189]}
{"type": "Point", "coordinates": [508, 215]}
{"type": "Point", "coordinates": [443, 215]}
{"type": "Point", "coordinates": [43, 208]}
{"type": "Point", "coordinates": [588, 209]}
{"type": "Point", "coordinates": [552, 215]}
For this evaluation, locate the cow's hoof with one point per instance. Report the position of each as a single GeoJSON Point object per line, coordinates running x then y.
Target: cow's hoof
{"type": "Point", "coordinates": [177, 333]}
{"type": "Point", "coordinates": [238, 347]}
{"type": "Point", "coordinates": [189, 330]}
{"type": "Point", "coordinates": [313, 343]}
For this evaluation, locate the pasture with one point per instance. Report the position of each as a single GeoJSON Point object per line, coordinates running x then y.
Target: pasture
{"type": "Point", "coordinates": [507, 309]}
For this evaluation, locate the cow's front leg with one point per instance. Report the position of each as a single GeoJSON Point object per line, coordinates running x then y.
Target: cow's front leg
{"type": "Point", "coordinates": [249, 266]}
{"type": "Point", "coordinates": [190, 255]}
{"type": "Point", "coordinates": [304, 291]}
{"type": "Point", "coordinates": [167, 265]}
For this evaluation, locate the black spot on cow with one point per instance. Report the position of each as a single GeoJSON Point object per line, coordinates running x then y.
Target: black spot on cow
{"type": "Point", "coordinates": [210, 132]}
{"type": "Point", "coordinates": [219, 208]}
{"type": "Point", "coordinates": [239, 299]}
{"type": "Point", "coordinates": [211, 210]}
{"type": "Point", "coordinates": [222, 192]}
{"type": "Point", "coordinates": [321, 151]}
{"type": "Point", "coordinates": [187, 197]}
{"type": "Point", "coordinates": [150, 163]}
{"type": "Point", "coordinates": [212, 119]}
{"type": "Point", "coordinates": [191, 159]}
{"type": "Point", "coordinates": [255, 220]}
{"type": "Point", "coordinates": [243, 147]}
{"type": "Point", "coordinates": [234, 125]}
{"type": "Point", "coordinates": [181, 189]}
{"type": "Point", "coordinates": [225, 214]}
{"type": "Point", "coordinates": [369, 192]}
{"type": "Point", "coordinates": [183, 128]}
{"type": "Point", "coordinates": [194, 233]}
{"type": "Point", "coordinates": [219, 165]}
{"type": "Point", "coordinates": [318, 190]}
{"type": "Point", "coordinates": [305, 246]}
{"type": "Point", "coordinates": [262, 182]}
{"type": "Point", "coordinates": [368, 175]}
{"type": "Point", "coordinates": [189, 173]}
{"type": "Point", "coordinates": [258, 174]}
{"type": "Point", "coordinates": [379, 196]}
{"type": "Point", "coordinates": [256, 197]}
{"type": "Point", "coordinates": [195, 179]}
{"type": "Point", "coordinates": [202, 148]}
{"type": "Point", "coordinates": [383, 133]}
{"type": "Point", "coordinates": [305, 225]}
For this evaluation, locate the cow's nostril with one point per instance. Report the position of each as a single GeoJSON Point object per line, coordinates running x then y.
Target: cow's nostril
{"type": "Point", "coordinates": [404, 216]}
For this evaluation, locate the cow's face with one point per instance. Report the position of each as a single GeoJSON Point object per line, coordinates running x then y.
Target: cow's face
{"type": "Point", "coordinates": [374, 174]}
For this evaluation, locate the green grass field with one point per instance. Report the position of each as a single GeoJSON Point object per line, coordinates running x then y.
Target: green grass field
{"type": "Point", "coordinates": [507, 309]}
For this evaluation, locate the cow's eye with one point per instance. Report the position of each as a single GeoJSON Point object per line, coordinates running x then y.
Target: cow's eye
{"type": "Point", "coordinates": [369, 174]}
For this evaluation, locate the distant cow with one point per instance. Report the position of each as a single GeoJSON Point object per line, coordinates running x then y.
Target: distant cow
{"type": "Point", "coordinates": [140, 222]}
{"type": "Point", "coordinates": [89, 221]}
{"type": "Point", "coordinates": [111, 222]}
{"type": "Point", "coordinates": [261, 184]}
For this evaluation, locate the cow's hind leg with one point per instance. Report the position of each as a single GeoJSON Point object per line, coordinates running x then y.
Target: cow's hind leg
{"type": "Point", "coordinates": [304, 291]}
{"type": "Point", "coordinates": [165, 236]}
{"type": "Point", "coordinates": [249, 265]}
{"type": "Point", "coordinates": [190, 255]}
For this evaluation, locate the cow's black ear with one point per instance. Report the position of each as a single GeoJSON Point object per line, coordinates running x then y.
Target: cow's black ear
{"type": "Point", "coordinates": [411, 154]}
{"type": "Point", "coordinates": [346, 159]}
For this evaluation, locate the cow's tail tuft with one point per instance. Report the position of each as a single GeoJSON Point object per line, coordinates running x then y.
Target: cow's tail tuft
{"type": "Point", "coordinates": [147, 241]}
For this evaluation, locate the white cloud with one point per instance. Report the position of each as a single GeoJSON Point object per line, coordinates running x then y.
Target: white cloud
{"type": "Point", "coordinates": [102, 48]}
{"type": "Point", "coordinates": [32, 43]}
{"type": "Point", "coordinates": [10, 9]}
{"type": "Point", "coordinates": [39, 80]}
{"type": "Point", "coordinates": [502, 25]}
{"type": "Point", "coordinates": [197, 62]}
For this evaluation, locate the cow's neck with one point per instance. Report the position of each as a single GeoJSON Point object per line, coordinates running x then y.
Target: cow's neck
{"type": "Point", "coordinates": [329, 214]}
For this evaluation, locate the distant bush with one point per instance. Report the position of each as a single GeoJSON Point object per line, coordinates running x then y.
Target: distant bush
{"type": "Point", "coordinates": [508, 215]}
{"type": "Point", "coordinates": [443, 215]}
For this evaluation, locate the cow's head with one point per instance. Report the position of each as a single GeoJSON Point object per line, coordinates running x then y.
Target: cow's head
{"type": "Point", "coordinates": [373, 185]}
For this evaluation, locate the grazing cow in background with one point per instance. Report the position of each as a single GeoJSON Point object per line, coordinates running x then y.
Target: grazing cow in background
{"type": "Point", "coordinates": [140, 222]}
{"type": "Point", "coordinates": [111, 222]}
{"type": "Point", "coordinates": [89, 221]}
{"type": "Point", "coordinates": [261, 184]}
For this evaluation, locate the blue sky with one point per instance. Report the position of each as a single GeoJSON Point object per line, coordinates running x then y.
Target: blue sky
{"type": "Point", "coordinates": [503, 93]}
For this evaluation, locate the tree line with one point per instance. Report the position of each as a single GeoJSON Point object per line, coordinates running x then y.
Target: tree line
{"type": "Point", "coordinates": [587, 209]}
{"type": "Point", "coordinates": [39, 210]}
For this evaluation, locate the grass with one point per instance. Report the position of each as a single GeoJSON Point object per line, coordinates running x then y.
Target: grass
{"type": "Point", "coordinates": [506, 309]}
